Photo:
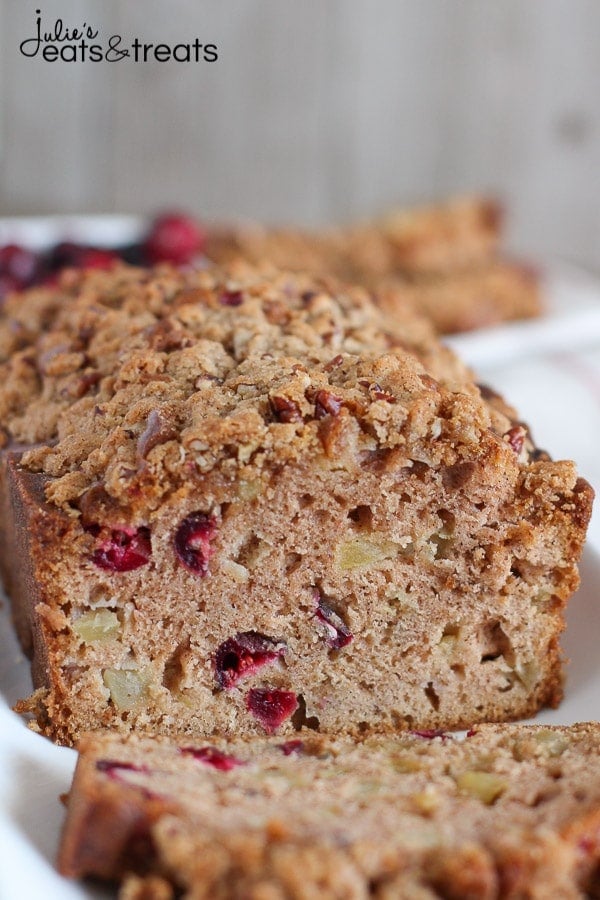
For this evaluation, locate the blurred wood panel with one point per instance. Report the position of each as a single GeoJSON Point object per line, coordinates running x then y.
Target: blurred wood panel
{"type": "Point", "coordinates": [243, 134]}
{"type": "Point", "coordinates": [316, 111]}
{"type": "Point", "coordinates": [56, 138]}
{"type": "Point", "coordinates": [523, 116]}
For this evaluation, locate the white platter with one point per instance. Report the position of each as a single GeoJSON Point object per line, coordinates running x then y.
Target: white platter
{"type": "Point", "coordinates": [33, 772]}
{"type": "Point", "coordinates": [41, 232]}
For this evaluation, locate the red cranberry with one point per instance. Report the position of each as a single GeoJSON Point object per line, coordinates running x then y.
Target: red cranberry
{"type": "Point", "coordinates": [231, 298]}
{"type": "Point", "coordinates": [50, 280]}
{"type": "Point", "coordinates": [588, 844]}
{"type": "Point", "coordinates": [8, 285]}
{"type": "Point", "coordinates": [67, 254]}
{"type": "Point", "coordinates": [174, 238]}
{"type": "Point", "coordinates": [78, 256]}
{"type": "Point", "coordinates": [192, 542]}
{"type": "Point", "coordinates": [338, 633]}
{"type": "Point", "coordinates": [290, 747]}
{"type": "Point", "coordinates": [97, 259]}
{"type": "Point", "coordinates": [271, 706]}
{"type": "Point", "coordinates": [117, 771]}
{"type": "Point", "coordinates": [18, 263]}
{"type": "Point", "coordinates": [213, 757]}
{"type": "Point", "coordinates": [515, 436]}
{"type": "Point", "coordinates": [430, 733]}
{"type": "Point", "coordinates": [243, 655]}
{"type": "Point", "coordinates": [124, 550]}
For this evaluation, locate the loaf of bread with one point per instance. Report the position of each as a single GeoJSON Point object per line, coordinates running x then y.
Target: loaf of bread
{"type": "Point", "coordinates": [439, 238]}
{"type": "Point", "coordinates": [442, 260]}
{"type": "Point", "coordinates": [424, 240]}
{"type": "Point", "coordinates": [510, 812]}
{"type": "Point", "coordinates": [240, 501]}
{"type": "Point", "coordinates": [478, 297]}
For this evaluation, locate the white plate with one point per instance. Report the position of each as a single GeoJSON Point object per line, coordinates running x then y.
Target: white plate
{"type": "Point", "coordinates": [33, 772]}
{"type": "Point", "coordinates": [41, 232]}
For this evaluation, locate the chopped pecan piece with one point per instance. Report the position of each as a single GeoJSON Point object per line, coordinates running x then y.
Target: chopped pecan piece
{"type": "Point", "coordinates": [327, 404]}
{"type": "Point", "coordinates": [285, 410]}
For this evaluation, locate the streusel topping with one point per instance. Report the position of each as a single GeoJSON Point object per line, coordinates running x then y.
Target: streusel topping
{"type": "Point", "coordinates": [142, 380]}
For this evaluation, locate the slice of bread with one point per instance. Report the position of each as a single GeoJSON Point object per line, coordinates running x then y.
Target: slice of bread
{"type": "Point", "coordinates": [510, 812]}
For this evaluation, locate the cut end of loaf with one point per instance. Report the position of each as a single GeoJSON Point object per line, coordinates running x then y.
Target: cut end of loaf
{"type": "Point", "coordinates": [273, 515]}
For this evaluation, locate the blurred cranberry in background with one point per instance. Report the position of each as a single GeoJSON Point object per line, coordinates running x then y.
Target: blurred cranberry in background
{"type": "Point", "coordinates": [18, 264]}
{"type": "Point", "coordinates": [98, 259]}
{"type": "Point", "coordinates": [7, 285]}
{"type": "Point", "coordinates": [174, 238]}
{"type": "Point", "coordinates": [68, 254]}
{"type": "Point", "coordinates": [64, 255]}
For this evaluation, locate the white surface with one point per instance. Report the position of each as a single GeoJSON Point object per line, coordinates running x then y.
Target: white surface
{"type": "Point", "coordinates": [33, 775]}
{"type": "Point", "coordinates": [41, 232]}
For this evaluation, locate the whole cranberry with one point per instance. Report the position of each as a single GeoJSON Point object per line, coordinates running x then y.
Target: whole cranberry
{"type": "Point", "coordinates": [78, 256]}
{"type": "Point", "coordinates": [19, 264]}
{"type": "Point", "coordinates": [66, 254]}
{"type": "Point", "coordinates": [175, 238]}
{"type": "Point", "coordinates": [92, 258]}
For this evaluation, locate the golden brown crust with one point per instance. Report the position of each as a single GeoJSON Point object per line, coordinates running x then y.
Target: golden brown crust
{"type": "Point", "coordinates": [450, 235]}
{"type": "Point", "coordinates": [466, 299]}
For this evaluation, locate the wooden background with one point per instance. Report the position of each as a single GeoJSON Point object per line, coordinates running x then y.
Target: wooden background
{"type": "Point", "coordinates": [317, 110]}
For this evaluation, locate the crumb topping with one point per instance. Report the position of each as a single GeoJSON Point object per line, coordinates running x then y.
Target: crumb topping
{"type": "Point", "coordinates": [142, 381]}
